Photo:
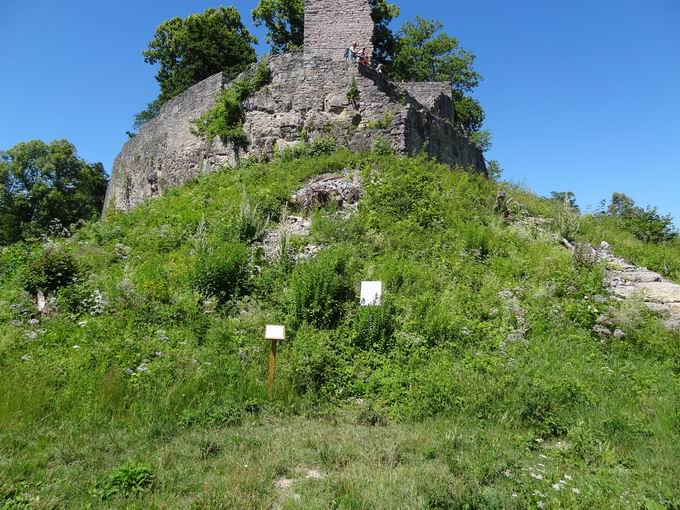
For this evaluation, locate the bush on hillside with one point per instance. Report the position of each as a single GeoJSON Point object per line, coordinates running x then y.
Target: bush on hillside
{"type": "Point", "coordinates": [373, 327]}
{"type": "Point", "coordinates": [50, 271]}
{"type": "Point", "coordinates": [319, 290]}
{"type": "Point", "coordinates": [221, 271]}
{"type": "Point", "coordinates": [645, 224]}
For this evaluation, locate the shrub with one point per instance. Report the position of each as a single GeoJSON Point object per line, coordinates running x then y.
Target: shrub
{"type": "Point", "coordinates": [225, 119]}
{"type": "Point", "coordinates": [250, 224]}
{"type": "Point", "coordinates": [52, 270]}
{"type": "Point", "coordinates": [219, 272]}
{"type": "Point", "coordinates": [313, 362]}
{"type": "Point", "coordinates": [318, 147]}
{"type": "Point", "coordinates": [353, 92]}
{"type": "Point", "coordinates": [372, 327]}
{"type": "Point", "coordinates": [568, 225]}
{"type": "Point", "coordinates": [319, 289]}
{"type": "Point", "coordinates": [131, 478]}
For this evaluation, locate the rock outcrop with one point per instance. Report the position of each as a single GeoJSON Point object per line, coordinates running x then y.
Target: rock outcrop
{"type": "Point", "coordinates": [307, 98]}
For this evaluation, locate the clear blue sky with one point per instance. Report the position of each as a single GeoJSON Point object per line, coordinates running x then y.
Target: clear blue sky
{"type": "Point", "coordinates": [580, 95]}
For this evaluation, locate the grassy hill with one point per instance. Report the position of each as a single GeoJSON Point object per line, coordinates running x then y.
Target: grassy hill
{"type": "Point", "coordinates": [477, 384]}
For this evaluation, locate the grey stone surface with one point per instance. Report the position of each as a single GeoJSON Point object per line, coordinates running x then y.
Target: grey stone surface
{"type": "Point", "coordinates": [343, 190]}
{"type": "Point", "coordinates": [165, 153]}
{"type": "Point", "coordinates": [435, 96]}
{"type": "Point", "coordinates": [331, 26]}
{"type": "Point", "coordinates": [307, 98]}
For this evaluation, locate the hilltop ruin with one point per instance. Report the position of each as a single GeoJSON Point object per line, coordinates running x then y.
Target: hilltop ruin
{"type": "Point", "coordinates": [307, 98]}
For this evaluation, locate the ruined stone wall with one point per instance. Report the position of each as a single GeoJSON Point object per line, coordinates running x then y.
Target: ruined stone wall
{"type": "Point", "coordinates": [332, 25]}
{"type": "Point", "coordinates": [165, 153]}
{"type": "Point", "coordinates": [436, 96]}
{"type": "Point", "coordinates": [307, 98]}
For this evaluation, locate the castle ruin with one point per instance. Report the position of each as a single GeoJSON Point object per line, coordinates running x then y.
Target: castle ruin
{"type": "Point", "coordinates": [307, 98]}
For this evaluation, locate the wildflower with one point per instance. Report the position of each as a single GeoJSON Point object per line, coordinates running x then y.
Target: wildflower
{"type": "Point", "coordinates": [567, 477]}
{"type": "Point", "coordinates": [507, 473]}
{"type": "Point", "coordinates": [536, 476]}
{"type": "Point", "coordinates": [142, 368]}
{"type": "Point", "coordinates": [575, 490]}
{"type": "Point", "coordinates": [556, 486]}
{"type": "Point", "coordinates": [82, 324]}
{"type": "Point", "coordinates": [162, 335]}
{"type": "Point", "coordinates": [25, 357]}
{"type": "Point", "coordinates": [33, 322]}
{"type": "Point", "coordinates": [540, 504]}
{"type": "Point", "coordinates": [31, 335]}
{"type": "Point", "coordinates": [158, 354]}
{"type": "Point", "coordinates": [514, 495]}
{"type": "Point", "coordinates": [76, 347]}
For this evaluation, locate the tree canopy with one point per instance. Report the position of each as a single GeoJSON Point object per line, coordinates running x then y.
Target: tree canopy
{"type": "Point", "coordinates": [43, 185]}
{"type": "Point", "coordinates": [192, 49]}
{"type": "Point", "coordinates": [284, 20]}
{"type": "Point", "coordinates": [645, 224]}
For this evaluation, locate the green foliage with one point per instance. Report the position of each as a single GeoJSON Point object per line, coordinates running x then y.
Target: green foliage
{"type": "Point", "coordinates": [319, 290]}
{"type": "Point", "coordinates": [317, 147]}
{"type": "Point", "coordinates": [494, 170]}
{"type": "Point", "coordinates": [565, 198]}
{"type": "Point", "coordinates": [424, 53]}
{"type": "Point", "coordinates": [192, 49]}
{"type": "Point", "coordinates": [373, 327]}
{"type": "Point", "coordinates": [51, 270]}
{"type": "Point", "coordinates": [220, 271]}
{"type": "Point", "coordinates": [131, 478]}
{"type": "Point", "coordinates": [284, 20]}
{"type": "Point", "coordinates": [384, 123]}
{"type": "Point", "coordinates": [568, 224]}
{"type": "Point", "coordinates": [645, 224]}
{"type": "Point", "coordinates": [353, 94]}
{"type": "Point", "coordinates": [480, 366]}
{"type": "Point", "coordinates": [45, 188]}
{"type": "Point", "coordinates": [482, 139]}
{"type": "Point", "coordinates": [225, 118]}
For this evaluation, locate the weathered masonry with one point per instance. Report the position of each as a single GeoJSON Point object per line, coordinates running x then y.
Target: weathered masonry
{"type": "Point", "coordinates": [307, 98]}
{"type": "Point", "coordinates": [332, 25]}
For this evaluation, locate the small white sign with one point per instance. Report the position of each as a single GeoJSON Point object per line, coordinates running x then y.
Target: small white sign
{"type": "Point", "coordinates": [371, 293]}
{"type": "Point", "coordinates": [272, 332]}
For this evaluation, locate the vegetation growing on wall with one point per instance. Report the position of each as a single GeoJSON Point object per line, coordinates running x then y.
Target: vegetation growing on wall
{"type": "Point", "coordinates": [225, 119]}
{"type": "Point", "coordinates": [189, 50]}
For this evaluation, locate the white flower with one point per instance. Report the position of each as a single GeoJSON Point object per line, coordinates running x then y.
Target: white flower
{"type": "Point", "coordinates": [540, 504]}
{"type": "Point", "coordinates": [33, 322]}
{"type": "Point", "coordinates": [514, 495]}
{"type": "Point", "coordinates": [556, 486]}
{"type": "Point", "coordinates": [507, 473]}
{"type": "Point", "coordinates": [82, 324]}
{"type": "Point", "coordinates": [567, 477]}
{"type": "Point", "coordinates": [25, 357]}
{"type": "Point", "coordinates": [142, 368]}
{"type": "Point", "coordinates": [76, 347]}
{"type": "Point", "coordinates": [537, 477]}
{"type": "Point", "coordinates": [575, 490]}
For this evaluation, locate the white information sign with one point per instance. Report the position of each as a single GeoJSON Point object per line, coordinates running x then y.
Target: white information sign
{"type": "Point", "coordinates": [371, 293]}
{"type": "Point", "coordinates": [273, 332]}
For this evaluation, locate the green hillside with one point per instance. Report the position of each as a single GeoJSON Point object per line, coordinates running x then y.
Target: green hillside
{"type": "Point", "coordinates": [477, 384]}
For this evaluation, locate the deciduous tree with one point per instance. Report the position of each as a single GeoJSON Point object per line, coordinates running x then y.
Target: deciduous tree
{"type": "Point", "coordinates": [43, 184]}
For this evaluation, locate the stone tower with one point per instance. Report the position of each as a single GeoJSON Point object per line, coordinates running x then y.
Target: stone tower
{"type": "Point", "coordinates": [332, 25]}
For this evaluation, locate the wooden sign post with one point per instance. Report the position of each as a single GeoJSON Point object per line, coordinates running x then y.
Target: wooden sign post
{"type": "Point", "coordinates": [275, 334]}
{"type": "Point", "coordinates": [371, 293]}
